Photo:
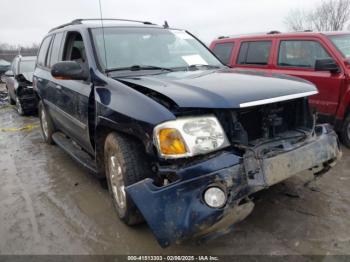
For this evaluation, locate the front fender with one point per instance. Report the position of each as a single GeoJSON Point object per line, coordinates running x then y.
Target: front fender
{"type": "Point", "coordinates": [125, 105]}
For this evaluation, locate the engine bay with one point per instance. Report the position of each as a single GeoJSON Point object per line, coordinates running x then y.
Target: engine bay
{"type": "Point", "coordinates": [289, 122]}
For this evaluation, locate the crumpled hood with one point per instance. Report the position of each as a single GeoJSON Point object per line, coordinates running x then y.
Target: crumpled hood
{"type": "Point", "coordinates": [28, 76]}
{"type": "Point", "coordinates": [224, 88]}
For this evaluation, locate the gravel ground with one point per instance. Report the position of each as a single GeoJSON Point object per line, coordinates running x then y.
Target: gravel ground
{"type": "Point", "coordinates": [49, 205]}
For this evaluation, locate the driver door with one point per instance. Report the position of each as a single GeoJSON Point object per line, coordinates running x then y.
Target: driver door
{"type": "Point", "coordinates": [72, 96]}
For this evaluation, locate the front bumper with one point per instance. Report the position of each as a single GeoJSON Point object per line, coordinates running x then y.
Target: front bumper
{"type": "Point", "coordinates": [28, 98]}
{"type": "Point", "coordinates": [177, 211]}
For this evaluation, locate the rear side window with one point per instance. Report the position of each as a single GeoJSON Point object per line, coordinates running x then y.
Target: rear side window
{"type": "Point", "coordinates": [254, 53]}
{"type": "Point", "coordinates": [301, 53]}
{"type": "Point", "coordinates": [55, 49]}
{"type": "Point", "coordinates": [223, 51]}
{"type": "Point", "coordinates": [42, 56]}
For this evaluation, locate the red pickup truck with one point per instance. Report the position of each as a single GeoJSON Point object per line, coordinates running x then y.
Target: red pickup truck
{"type": "Point", "coordinates": [321, 58]}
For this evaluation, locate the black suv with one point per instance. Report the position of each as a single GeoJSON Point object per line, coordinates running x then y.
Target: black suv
{"type": "Point", "coordinates": [182, 139]}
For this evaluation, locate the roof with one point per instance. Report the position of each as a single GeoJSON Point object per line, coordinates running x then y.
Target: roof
{"type": "Point", "coordinates": [274, 34]}
{"type": "Point", "coordinates": [27, 58]}
{"type": "Point", "coordinates": [107, 22]}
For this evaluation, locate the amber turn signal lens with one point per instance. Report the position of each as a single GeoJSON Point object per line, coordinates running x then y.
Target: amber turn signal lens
{"type": "Point", "coordinates": [171, 142]}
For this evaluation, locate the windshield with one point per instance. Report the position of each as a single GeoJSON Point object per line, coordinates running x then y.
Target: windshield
{"type": "Point", "coordinates": [156, 47]}
{"type": "Point", "coordinates": [26, 66]}
{"type": "Point", "coordinates": [342, 42]}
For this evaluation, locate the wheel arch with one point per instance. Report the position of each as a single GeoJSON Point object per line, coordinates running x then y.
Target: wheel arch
{"type": "Point", "coordinates": [344, 106]}
{"type": "Point", "coordinates": [347, 111]}
{"type": "Point", "coordinates": [106, 126]}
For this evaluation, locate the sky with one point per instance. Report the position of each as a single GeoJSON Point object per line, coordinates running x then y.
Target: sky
{"type": "Point", "coordinates": [26, 22]}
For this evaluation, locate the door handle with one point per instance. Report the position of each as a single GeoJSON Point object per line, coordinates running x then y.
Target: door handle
{"type": "Point", "coordinates": [59, 87]}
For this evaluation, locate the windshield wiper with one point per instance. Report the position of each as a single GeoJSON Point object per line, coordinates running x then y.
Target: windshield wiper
{"type": "Point", "coordinates": [139, 68]}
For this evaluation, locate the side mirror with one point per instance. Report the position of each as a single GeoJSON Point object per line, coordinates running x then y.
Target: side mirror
{"type": "Point", "coordinates": [9, 73]}
{"type": "Point", "coordinates": [68, 70]}
{"type": "Point", "coordinates": [326, 65]}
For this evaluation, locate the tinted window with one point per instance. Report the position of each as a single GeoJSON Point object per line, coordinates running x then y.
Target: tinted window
{"type": "Point", "coordinates": [55, 49]}
{"type": "Point", "coordinates": [223, 52]}
{"type": "Point", "coordinates": [43, 51]}
{"type": "Point", "coordinates": [300, 53]}
{"type": "Point", "coordinates": [254, 53]}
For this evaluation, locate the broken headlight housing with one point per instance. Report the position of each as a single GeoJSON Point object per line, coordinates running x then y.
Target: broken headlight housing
{"type": "Point", "coordinates": [189, 136]}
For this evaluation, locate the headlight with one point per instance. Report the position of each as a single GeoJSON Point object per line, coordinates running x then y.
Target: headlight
{"type": "Point", "coordinates": [189, 136]}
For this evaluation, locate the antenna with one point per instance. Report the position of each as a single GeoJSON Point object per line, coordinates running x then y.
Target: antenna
{"type": "Point", "coordinates": [103, 32]}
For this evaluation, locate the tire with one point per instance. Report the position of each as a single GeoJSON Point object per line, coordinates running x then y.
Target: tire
{"type": "Point", "coordinates": [19, 107]}
{"type": "Point", "coordinates": [124, 159]}
{"type": "Point", "coordinates": [345, 132]}
{"type": "Point", "coordinates": [47, 128]}
{"type": "Point", "coordinates": [10, 100]}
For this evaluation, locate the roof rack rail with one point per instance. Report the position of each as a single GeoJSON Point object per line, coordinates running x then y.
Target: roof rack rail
{"type": "Point", "coordinates": [223, 37]}
{"type": "Point", "coordinates": [241, 35]}
{"type": "Point", "coordinates": [80, 20]}
{"type": "Point", "coordinates": [273, 32]}
{"type": "Point", "coordinates": [60, 26]}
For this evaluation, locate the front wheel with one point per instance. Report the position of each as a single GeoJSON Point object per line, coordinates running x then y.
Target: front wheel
{"type": "Point", "coordinates": [19, 107]}
{"type": "Point", "coordinates": [125, 164]}
{"type": "Point", "coordinates": [345, 133]}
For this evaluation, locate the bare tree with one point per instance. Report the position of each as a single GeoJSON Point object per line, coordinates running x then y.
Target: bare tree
{"type": "Point", "coordinates": [331, 15]}
{"type": "Point", "coordinates": [8, 52]}
{"type": "Point", "coordinates": [298, 20]}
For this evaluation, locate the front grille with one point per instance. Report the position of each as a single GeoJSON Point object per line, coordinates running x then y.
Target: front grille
{"type": "Point", "coordinates": [267, 121]}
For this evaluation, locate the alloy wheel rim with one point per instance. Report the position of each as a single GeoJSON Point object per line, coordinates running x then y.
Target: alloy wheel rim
{"type": "Point", "coordinates": [19, 106]}
{"type": "Point", "coordinates": [348, 130]}
{"type": "Point", "coordinates": [117, 182]}
{"type": "Point", "coordinates": [44, 123]}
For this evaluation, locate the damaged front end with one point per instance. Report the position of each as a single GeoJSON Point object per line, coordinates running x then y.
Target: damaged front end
{"type": "Point", "coordinates": [203, 196]}
{"type": "Point", "coordinates": [25, 93]}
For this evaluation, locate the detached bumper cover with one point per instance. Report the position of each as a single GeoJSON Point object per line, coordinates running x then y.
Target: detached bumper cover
{"type": "Point", "coordinates": [177, 211]}
{"type": "Point", "coordinates": [319, 152]}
